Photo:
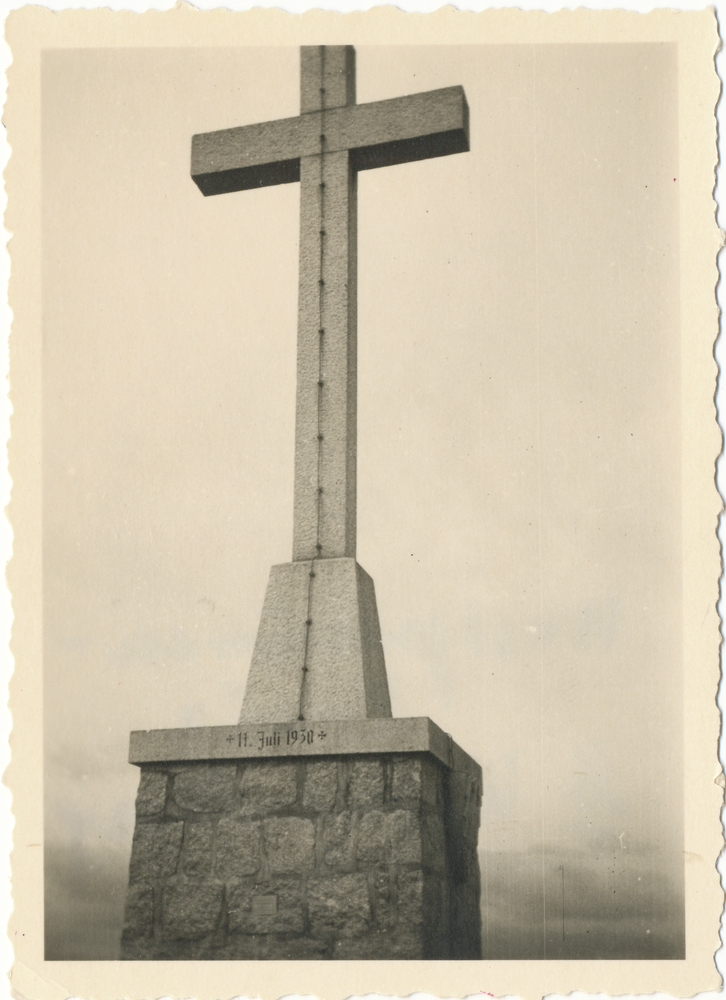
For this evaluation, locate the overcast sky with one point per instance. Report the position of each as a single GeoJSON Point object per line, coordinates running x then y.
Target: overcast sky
{"type": "Point", "coordinates": [518, 474]}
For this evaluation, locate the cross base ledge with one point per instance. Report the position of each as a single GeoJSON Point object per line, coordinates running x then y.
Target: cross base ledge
{"type": "Point", "coordinates": [308, 738]}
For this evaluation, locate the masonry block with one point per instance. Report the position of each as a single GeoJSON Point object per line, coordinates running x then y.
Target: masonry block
{"type": "Point", "coordinates": [404, 834]}
{"type": "Point", "coordinates": [290, 844]}
{"type": "Point", "coordinates": [206, 788]}
{"type": "Point", "coordinates": [155, 850]}
{"type": "Point", "coordinates": [266, 788]}
{"type": "Point", "coordinates": [139, 912]}
{"type": "Point", "coordinates": [151, 797]}
{"type": "Point", "coordinates": [417, 779]}
{"type": "Point", "coordinates": [373, 838]}
{"type": "Point", "coordinates": [338, 839]}
{"type": "Point", "coordinates": [433, 841]}
{"type": "Point", "coordinates": [366, 783]}
{"type": "Point", "coordinates": [197, 857]}
{"type": "Point", "coordinates": [339, 906]}
{"type": "Point", "coordinates": [321, 784]}
{"type": "Point", "coordinates": [410, 897]}
{"type": "Point", "coordinates": [191, 909]}
{"type": "Point", "coordinates": [340, 857]}
{"type": "Point", "coordinates": [238, 847]}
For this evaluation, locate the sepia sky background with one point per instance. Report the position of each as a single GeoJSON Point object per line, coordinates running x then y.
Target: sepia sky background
{"type": "Point", "coordinates": [518, 461]}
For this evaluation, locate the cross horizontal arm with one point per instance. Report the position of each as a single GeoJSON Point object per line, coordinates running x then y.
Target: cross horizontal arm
{"type": "Point", "coordinates": [382, 133]}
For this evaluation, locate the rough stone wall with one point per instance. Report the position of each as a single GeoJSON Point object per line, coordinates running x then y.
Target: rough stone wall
{"type": "Point", "coordinates": [355, 857]}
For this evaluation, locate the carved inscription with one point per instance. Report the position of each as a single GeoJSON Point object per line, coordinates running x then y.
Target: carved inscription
{"type": "Point", "coordinates": [259, 740]}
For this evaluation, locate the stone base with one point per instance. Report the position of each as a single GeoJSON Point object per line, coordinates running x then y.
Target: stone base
{"type": "Point", "coordinates": [348, 856]}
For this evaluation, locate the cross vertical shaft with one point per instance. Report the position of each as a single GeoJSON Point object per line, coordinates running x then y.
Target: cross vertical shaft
{"type": "Point", "coordinates": [324, 518]}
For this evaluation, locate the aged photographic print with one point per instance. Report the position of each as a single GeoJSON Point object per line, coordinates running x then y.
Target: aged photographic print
{"type": "Point", "coordinates": [364, 503]}
{"type": "Point", "coordinates": [539, 313]}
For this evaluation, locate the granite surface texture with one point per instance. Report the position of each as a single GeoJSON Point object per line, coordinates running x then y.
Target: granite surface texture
{"type": "Point", "coordinates": [367, 857]}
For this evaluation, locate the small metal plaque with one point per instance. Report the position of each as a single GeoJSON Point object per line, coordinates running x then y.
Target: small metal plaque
{"type": "Point", "coordinates": [264, 906]}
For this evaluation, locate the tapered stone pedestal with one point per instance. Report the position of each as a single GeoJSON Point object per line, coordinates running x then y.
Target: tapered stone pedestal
{"type": "Point", "coordinates": [318, 651]}
{"type": "Point", "coordinates": [273, 842]}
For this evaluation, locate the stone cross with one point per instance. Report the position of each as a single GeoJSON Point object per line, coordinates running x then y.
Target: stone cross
{"type": "Point", "coordinates": [318, 653]}
{"type": "Point", "coordinates": [324, 148]}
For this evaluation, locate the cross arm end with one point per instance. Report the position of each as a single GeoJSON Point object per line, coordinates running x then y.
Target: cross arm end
{"type": "Point", "coordinates": [240, 159]}
{"type": "Point", "coordinates": [435, 123]}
